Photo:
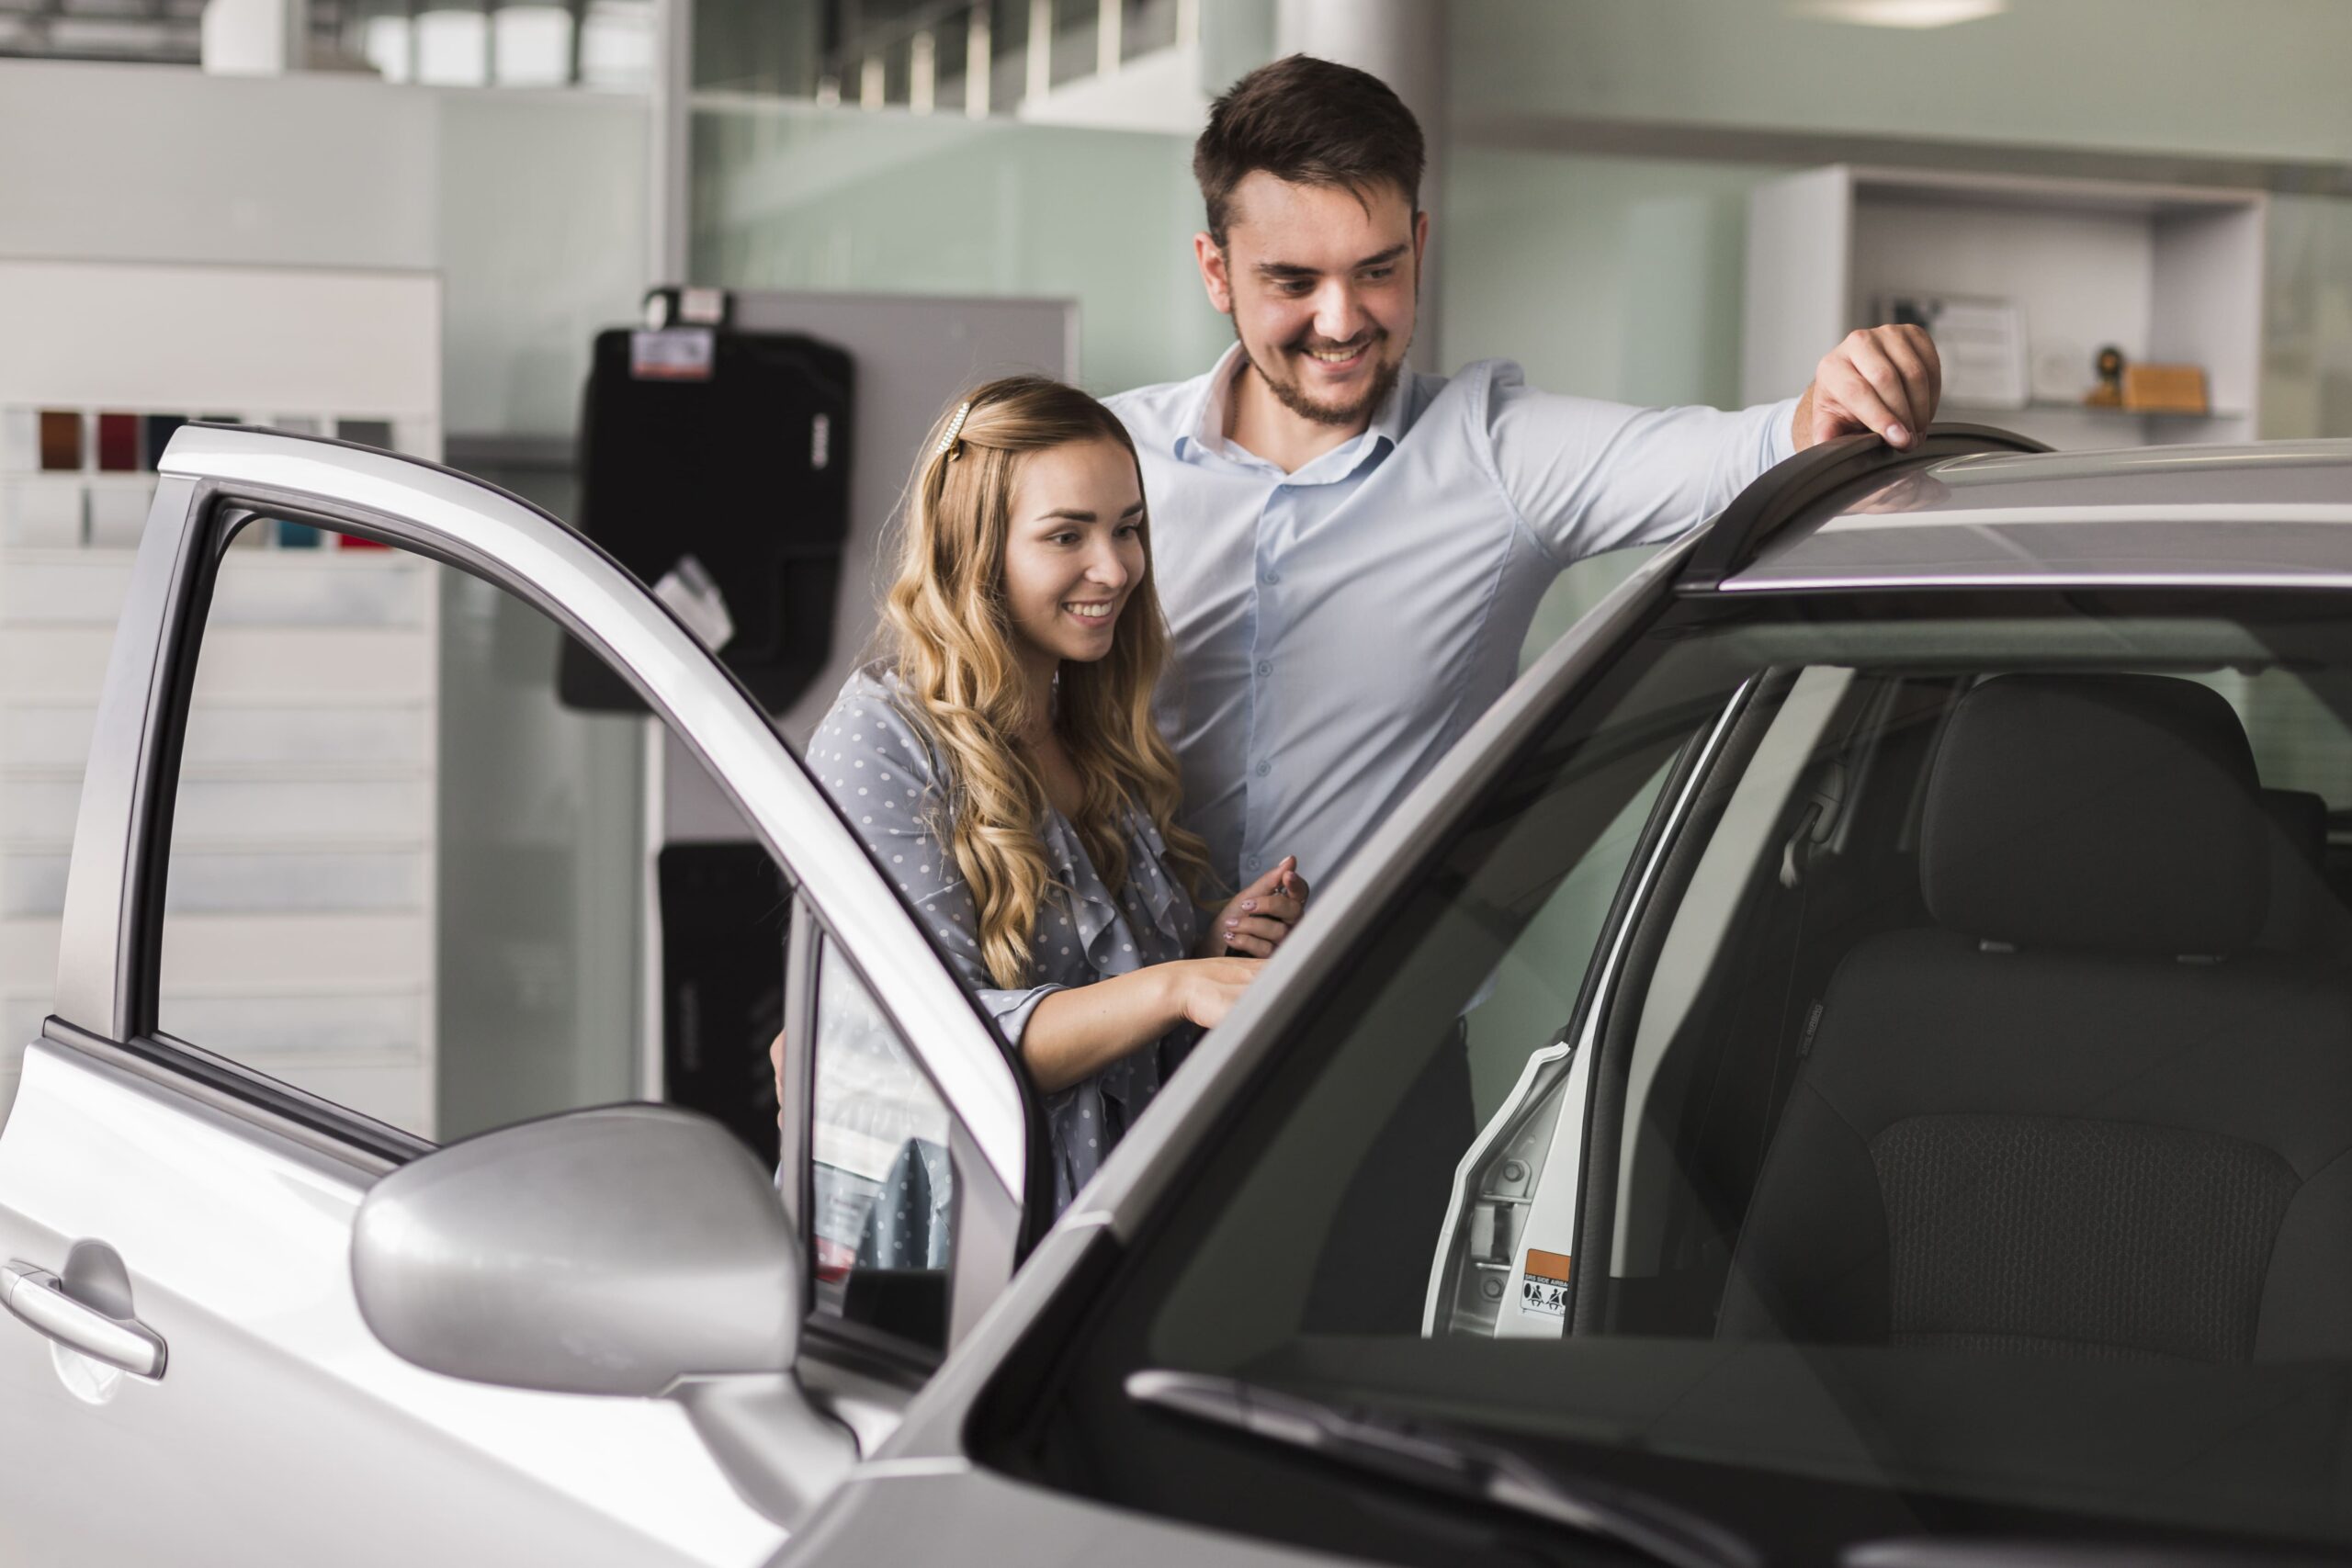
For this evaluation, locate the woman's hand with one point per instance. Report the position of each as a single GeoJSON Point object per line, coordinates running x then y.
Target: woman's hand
{"type": "Point", "coordinates": [1077, 1033]}
{"type": "Point", "coordinates": [1206, 989]}
{"type": "Point", "coordinates": [1257, 918]}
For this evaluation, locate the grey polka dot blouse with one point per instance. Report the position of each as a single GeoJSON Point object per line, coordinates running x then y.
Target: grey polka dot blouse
{"type": "Point", "coordinates": [876, 757]}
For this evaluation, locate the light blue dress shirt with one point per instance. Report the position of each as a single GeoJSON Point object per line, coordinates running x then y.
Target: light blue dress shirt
{"type": "Point", "coordinates": [1337, 629]}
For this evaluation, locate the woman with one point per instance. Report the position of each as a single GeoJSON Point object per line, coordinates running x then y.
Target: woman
{"type": "Point", "coordinates": [1002, 764]}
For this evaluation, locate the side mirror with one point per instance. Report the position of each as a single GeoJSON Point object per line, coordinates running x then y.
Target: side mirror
{"type": "Point", "coordinates": [636, 1250]}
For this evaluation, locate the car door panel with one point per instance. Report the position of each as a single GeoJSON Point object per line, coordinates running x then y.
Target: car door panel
{"type": "Point", "coordinates": [282, 1430]}
{"type": "Point", "coordinates": [269, 1359]}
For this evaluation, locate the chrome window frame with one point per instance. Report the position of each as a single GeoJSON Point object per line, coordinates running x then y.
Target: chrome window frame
{"type": "Point", "coordinates": [212, 479]}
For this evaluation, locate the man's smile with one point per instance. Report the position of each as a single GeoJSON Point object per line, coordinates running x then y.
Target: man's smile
{"type": "Point", "coordinates": [1345, 356]}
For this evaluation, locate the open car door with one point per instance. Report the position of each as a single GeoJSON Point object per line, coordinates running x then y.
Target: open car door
{"type": "Point", "coordinates": [185, 1373]}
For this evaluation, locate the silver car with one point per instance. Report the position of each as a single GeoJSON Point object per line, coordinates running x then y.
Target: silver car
{"type": "Point", "coordinates": [1850, 1060]}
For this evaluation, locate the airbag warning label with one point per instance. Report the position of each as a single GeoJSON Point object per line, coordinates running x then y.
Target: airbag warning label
{"type": "Point", "coordinates": [1545, 1288]}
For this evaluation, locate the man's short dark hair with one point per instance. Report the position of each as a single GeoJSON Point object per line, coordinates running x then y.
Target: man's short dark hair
{"type": "Point", "coordinates": [1311, 122]}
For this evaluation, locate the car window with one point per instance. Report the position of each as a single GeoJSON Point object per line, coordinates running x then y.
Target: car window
{"type": "Point", "coordinates": [881, 1186]}
{"type": "Point", "coordinates": [2295, 721]}
{"type": "Point", "coordinates": [1954, 1121]}
{"type": "Point", "coordinates": [404, 877]}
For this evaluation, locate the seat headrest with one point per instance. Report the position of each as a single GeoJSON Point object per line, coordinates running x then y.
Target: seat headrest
{"type": "Point", "coordinates": [2300, 817]}
{"type": "Point", "coordinates": [2103, 811]}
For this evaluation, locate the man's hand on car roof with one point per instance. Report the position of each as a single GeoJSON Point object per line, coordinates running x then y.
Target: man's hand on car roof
{"type": "Point", "coordinates": [1885, 380]}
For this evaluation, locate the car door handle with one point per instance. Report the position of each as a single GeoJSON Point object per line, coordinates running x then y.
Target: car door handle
{"type": "Point", "coordinates": [37, 1297]}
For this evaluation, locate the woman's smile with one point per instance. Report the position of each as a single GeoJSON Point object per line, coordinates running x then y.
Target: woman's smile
{"type": "Point", "coordinates": [1074, 554]}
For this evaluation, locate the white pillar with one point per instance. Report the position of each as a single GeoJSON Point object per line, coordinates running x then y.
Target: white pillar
{"type": "Point", "coordinates": [253, 37]}
{"type": "Point", "coordinates": [922, 72]}
{"type": "Point", "coordinates": [1403, 43]}
{"type": "Point", "coordinates": [979, 64]}
{"type": "Point", "coordinates": [670, 104]}
{"type": "Point", "coordinates": [1040, 51]}
{"type": "Point", "coordinates": [1110, 18]}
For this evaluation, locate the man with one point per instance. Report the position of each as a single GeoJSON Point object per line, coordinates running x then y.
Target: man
{"type": "Point", "coordinates": [1349, 557]}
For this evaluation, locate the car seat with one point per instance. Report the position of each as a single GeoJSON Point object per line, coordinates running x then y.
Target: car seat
{"type": "Point", "coordinates": [2306, 916]}
{"type": "Point", "coordinates": [2081, 1114]}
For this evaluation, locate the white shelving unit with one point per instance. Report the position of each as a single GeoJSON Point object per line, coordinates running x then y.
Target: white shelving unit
{"type": "Point", "coordinates": [301, 937]}
{"type": "Point", "coordinates": [2169, 274]}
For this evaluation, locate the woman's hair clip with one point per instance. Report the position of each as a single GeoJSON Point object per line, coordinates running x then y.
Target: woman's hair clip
{"type": "Point", "coordinates": [949, 447]}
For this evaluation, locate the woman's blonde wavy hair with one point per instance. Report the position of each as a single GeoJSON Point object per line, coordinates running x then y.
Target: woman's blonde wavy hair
{"type": "Point", "coordinates": [948, 631]}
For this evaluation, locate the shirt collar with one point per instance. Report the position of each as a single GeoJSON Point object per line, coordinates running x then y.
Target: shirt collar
{"type": "Point", "coordinates": [1388, 420]}
{"type": "Point", "coordinates": [1203, 428]}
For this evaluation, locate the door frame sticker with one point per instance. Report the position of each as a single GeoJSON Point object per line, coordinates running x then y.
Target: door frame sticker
{"type": "Point", "coordinates": [1543, 1283]}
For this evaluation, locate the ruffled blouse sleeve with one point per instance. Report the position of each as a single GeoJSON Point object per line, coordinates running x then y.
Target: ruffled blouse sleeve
{"type": "Point", "coordinates": [881, 770]}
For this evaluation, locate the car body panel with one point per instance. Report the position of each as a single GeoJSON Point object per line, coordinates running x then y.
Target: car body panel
{"type": "Point", "coordinates": [272, 1373]}
{"type": "Point", "coordinates": [906, 1512]}
{"type": "Point", "coordinates": [2262, 516]}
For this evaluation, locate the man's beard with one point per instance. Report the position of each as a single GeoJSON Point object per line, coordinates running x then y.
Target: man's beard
{"type": "Point", "coordinates": [1288, 393]}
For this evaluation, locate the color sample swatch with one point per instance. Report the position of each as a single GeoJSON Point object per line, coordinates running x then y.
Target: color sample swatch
{"type": "Point", "coordinates": [61, 440]}
{"type": "Point", "coordinates": [19, 441]}
{"type": "Point", "coordinates": [119, 443]}
{"type": "Point", "coordinates": [159, 428]}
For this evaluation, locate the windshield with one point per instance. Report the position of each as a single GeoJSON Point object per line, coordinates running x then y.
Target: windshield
{"type": "Point", "coordinates": [1950, 1134]}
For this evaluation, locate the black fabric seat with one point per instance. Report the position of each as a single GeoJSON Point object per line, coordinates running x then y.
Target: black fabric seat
{"type": "Point", "coordinates": [2082, 1114]}
{"type": "Point", "coordinates": [2305, 916]}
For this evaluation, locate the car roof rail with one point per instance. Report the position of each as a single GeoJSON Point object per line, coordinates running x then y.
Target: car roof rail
{"type": "Point", "coordinates": [1838, 469]}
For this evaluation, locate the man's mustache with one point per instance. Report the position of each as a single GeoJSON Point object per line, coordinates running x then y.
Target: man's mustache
{"type": "Point", "coordinates": [1311, 345]}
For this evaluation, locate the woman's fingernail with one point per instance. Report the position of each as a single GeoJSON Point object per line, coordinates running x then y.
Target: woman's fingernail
{"type": "Point", "coordinates": [1249, 903]}
{"type": "Point", "coordinates": [1896, 434]}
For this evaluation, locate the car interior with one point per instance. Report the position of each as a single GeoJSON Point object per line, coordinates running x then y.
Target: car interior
{"type": "Point", "coordinates": [2031, 1038]}
{"type": "Point", "coordinates": [1970, 1118]}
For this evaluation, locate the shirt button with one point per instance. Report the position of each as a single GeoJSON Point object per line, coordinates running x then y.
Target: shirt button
{"type": "Point", "coordinates": [1272, 578]}
{"type": "Point", "coordinates": [1264, 768]}
{"type": "Point", "coordinates": [1265, 667]}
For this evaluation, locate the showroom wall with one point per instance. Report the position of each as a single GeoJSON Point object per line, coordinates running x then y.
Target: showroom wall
{"type": "Point", "coordinates": [173, 165]}
{"type": "Point", "coordinates": [1536, 84]}
{"type": "Point", "coordinates": [1608, 277]}
{"type": "Point", "coordinates": [2252, 78]}
{"type": "Point", "coordinates": [530, 206]}
{"type": "Point", "coordinates": [1572, 240]}
{"type": "Point", "coordinates": [542, 239]}
{"type": "Point", "coordinates": [792, 195]}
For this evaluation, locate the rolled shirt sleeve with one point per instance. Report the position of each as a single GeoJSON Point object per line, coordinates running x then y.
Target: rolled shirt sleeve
{"type": "Point", "coordinates": [869, 757]}
{"type": "Point", "coordinates": [1587, 475]}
